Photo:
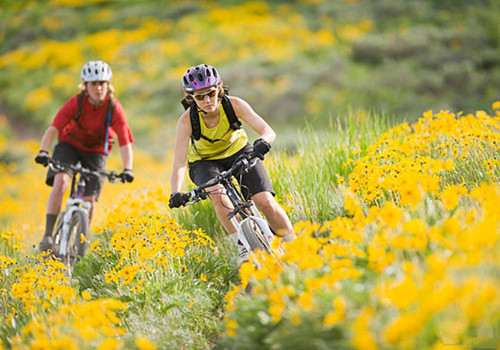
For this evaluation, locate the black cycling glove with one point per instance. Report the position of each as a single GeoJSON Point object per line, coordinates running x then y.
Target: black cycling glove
{"type": "Point", "coordinates": [261, 147]}
{"type": "Point", "coordinates": [127, 175]}
{"type": "Point", "coordinates": [42, 158]}
{"type": "Point", "coordinates": [176, 200]}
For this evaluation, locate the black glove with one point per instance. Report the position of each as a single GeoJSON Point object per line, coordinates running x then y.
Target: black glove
{"type": "Point", "coordinates": [261, 147]}
{"type": "Point", "coordinates": [127, 175]}
{"type": "Point", "coordinates": [42, 158]}
{"type": "Point", "coordinates": [176, 200]}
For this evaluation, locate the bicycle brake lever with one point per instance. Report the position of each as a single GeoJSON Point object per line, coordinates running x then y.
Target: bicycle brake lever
{"type": "Point", "coordinates": [55, 166]}
{"type": "Point", "coordinates": [187, 197]}
{"type": "Point", "coordinates": [203, 195]}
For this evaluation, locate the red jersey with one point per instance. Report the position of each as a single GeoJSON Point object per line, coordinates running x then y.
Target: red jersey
{"type": "Point", "coordinates": [89, 132]}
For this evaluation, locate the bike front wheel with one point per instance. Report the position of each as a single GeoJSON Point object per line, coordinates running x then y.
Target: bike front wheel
{"type": "Point", "coordinates": [255, 235]}
{"type": "Point", "coordinates": [57, 234]}
{"type": "Point", "coordinates": [78, 231]}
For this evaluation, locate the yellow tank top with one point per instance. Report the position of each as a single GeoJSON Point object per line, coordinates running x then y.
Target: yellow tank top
{"type": "Point", "coordinates": [228, 142]}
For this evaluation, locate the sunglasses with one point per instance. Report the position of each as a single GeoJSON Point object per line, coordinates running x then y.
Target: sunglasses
{"type": "Point", "coordinates": [201, 97]}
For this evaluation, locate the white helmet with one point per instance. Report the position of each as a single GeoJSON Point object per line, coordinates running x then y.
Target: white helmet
{"type": "Point", "coordinates": [96, 71]}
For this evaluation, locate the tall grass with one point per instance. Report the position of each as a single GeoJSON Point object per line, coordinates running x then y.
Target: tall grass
{"type": "Point", "coordinates": [307, 181]}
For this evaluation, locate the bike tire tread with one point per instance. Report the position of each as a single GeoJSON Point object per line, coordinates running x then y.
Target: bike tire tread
{"type": "Point", "coordinates": [254, 235]}
{"type": "Point", "coordinates": [75, 249]}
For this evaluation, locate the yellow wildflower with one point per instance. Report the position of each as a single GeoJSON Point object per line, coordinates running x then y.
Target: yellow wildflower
{"type": "Point", "coordinates": [144, 343]}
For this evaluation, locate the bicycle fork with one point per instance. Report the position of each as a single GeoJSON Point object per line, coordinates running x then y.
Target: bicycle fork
{"type": "Point", "coordinates": [73, 204]}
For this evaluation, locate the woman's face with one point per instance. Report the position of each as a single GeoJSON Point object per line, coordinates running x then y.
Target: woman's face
{"type": "Point", "coordinates": [97, 91]}
{"type": "Point", "coordinates": [206, 98]}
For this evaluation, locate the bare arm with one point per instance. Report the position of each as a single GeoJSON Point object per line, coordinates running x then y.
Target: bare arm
{"type": "Point", "coordinates": [183, 132]}
{"type": "Point", "coordinates": [244, 111]}
{"type": "Point", "coordinates": [48, 137]}
{"type": "Point", "coordinates": [127, 156]}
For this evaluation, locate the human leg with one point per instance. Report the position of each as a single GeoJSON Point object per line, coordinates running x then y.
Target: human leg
{"type": "Point", "coordinates": [222, 206]}
{"type": "Point", "coordinates": [61, 183]}
{"type": "Point", "coordinates": [276, 216]}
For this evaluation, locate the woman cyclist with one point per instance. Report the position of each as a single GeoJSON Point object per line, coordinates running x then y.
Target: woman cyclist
{"type": "Point", "coordinates": [84, 127]}
{"type": "Point", "coordinates": [218, 147]}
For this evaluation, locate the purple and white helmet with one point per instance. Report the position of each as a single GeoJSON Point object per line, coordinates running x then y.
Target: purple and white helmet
{"type": "Point", "coordinates": [96, 71]}
{"type": "Point", "coordinates": [200, 77]}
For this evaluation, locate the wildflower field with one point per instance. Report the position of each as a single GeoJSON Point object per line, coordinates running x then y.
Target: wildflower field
{"type": "Point", "coordinates": [397, 222]}
{"type": "Point", "coordinates": [397, 248]}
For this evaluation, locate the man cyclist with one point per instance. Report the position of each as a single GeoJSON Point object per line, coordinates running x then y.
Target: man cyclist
{"type": "Point", "coordinates": [85, 127]}
{"type": "Point", "coordinates": [216, 149]}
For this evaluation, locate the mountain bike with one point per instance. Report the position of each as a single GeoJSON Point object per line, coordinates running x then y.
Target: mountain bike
{"type": "Point", "coordinates": [253, 230]}
{"type": "Point", "coordinates": [72, 226]}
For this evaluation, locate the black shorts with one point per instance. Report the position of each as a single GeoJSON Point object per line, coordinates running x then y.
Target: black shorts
{"type": "Point", "coordinates": [252, 183]}
{"type": "Point", "coordinates": [64, 152]}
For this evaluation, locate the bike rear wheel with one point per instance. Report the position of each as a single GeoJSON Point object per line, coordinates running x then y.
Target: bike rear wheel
{"type": "Point", "coordinates": [254, 235]}
{"type": "Point", "coordinates": [75, 248]}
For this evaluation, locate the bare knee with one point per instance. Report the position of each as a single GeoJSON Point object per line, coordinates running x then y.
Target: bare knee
{"type": "Point", "coordinates": [61, 183]}
{"type": "Point", "coordinates": [265, 202]}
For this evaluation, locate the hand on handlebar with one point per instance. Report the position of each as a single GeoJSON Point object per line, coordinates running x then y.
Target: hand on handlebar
{"type": "Point", "coordinates": [42, 158]}
{"type": "Point", "coordinates": [261, 147]}
{"type": "Point", "coordinates": [127, 175]}
{"type": "Point", "coordinates": [177, 199]}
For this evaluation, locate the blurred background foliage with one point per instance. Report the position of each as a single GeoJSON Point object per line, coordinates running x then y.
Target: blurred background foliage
{"type": "Point", "coordinates": [299, 63]}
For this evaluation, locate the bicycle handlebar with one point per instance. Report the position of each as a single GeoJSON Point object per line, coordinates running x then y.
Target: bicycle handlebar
{"type": "Point", "coordinates": [60, 166]}
{"type": "Point", "coordinates": [241, 166]}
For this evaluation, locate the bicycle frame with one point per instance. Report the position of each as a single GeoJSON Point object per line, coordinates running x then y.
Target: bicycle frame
{"type": "Point", "coordinates": [246, 210]}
